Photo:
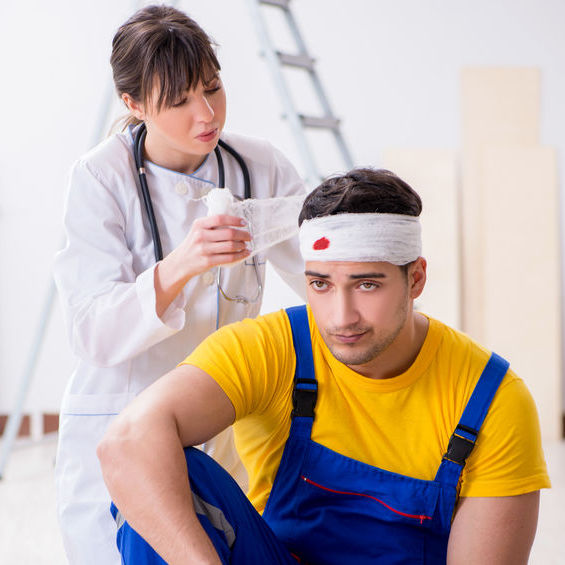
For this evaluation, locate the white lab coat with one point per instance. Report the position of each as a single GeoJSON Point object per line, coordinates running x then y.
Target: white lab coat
{"type": "Point", "coordinates": [105, 279]}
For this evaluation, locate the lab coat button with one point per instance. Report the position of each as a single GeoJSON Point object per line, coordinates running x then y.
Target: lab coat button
{"type": "Point", "coordinates": [181, 188]}
{"type": "Point", "coordinates": [208, 278]}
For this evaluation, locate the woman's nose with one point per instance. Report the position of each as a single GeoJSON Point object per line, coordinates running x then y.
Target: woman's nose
{"type": "Point", "coordinates": [205, 110]}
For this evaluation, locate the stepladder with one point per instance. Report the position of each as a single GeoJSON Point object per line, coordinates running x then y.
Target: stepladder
{"type": "Point", "coordinates": [298, 59]}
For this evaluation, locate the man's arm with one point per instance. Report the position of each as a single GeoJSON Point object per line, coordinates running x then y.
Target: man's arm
{"type": "Point", "coordinates": [493, 530]}
{"type": "Point", "coordinates": [144, 467]}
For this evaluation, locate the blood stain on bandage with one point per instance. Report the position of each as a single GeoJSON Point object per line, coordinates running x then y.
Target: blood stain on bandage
{"type": "Point", "coordinates": [322, 243]}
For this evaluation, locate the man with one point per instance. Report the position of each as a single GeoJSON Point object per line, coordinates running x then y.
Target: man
{"type": "Point", "coordinates": [361, 422]}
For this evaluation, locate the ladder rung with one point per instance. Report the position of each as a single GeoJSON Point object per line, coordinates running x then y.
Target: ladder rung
{"type": "Point", "coordinates": [303, 61]}
{"type": "Point", "coordinates": [324, 122]}
{"type": "Point", "coordinates": [280, 3]}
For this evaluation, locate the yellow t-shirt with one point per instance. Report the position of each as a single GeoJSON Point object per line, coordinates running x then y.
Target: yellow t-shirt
{"type": "Point", "coordinates": [402, 424]}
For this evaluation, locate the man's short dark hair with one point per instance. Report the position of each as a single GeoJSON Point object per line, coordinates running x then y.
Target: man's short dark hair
{"type": "Point", "coordinates": [361, 191]}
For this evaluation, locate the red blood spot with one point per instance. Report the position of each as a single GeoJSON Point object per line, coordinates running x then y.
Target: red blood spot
{"type": "Point", "coordinates": [321, 243]}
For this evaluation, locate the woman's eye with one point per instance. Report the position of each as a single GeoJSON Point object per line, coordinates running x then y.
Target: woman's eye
{"type": "Point", "coordinates": [213, 89]}
{"type": "Point", "coordinates": [179, 103]}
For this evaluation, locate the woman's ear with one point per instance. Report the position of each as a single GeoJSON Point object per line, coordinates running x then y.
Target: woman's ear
{"type": "Point", "coordinates": [136, 108]}
{"type": "Point", "coordinates": [417, 277]}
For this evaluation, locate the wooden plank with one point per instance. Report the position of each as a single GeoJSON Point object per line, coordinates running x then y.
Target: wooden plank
{"type": "Point", "coordinates": [432, 173]}
{"type": "Point", "coordinates": [500, 105]}
{"type": "Point", "coordinates": [521, 274]}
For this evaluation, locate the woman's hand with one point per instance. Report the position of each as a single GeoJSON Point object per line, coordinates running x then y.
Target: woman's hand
{"type": "Point", "coordinates": [211, 241]}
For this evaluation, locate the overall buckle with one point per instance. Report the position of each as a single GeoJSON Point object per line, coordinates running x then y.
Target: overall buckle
{"type": "Point", "coordinates": [460, 447]}
{"type": "Point", "coordinates": [304, 397]}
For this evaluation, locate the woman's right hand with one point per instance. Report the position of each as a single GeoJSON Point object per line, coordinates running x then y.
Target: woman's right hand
{"type": "Point", "coordinates": [211, 241]}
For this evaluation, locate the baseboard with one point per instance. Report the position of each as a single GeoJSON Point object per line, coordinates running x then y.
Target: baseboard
{"type": "Point", "coordinates": [50, 423]}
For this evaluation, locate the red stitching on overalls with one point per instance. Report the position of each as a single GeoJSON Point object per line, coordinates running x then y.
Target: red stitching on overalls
{"type": "Point", "coordinates": [416, 517]}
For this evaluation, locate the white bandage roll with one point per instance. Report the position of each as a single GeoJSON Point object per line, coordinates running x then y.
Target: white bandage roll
{"type": "Point", "coordinates": [219, 201]}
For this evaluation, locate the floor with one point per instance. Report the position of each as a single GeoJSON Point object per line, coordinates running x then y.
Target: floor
{"type": "Point", "coordinates": [28, 525]}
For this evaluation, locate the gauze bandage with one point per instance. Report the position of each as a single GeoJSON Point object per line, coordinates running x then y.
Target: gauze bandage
{"type": "Point", "coordinates": [269, 220]}
{"type": "Point", "coordinates": [394, 238]}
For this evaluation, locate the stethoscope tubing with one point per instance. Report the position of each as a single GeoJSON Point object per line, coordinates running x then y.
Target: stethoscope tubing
{"type": "Point", "coordinates": [138, 155]}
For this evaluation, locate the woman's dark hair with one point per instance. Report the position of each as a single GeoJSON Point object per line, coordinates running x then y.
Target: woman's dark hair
{"type": "Point", "coordinates": [361, 191]}
{"type": "Point", "coordinates": [161, 46]}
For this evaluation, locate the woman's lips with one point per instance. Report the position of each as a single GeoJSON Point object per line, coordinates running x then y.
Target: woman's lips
{"type": "Point", "coordinates": [208, 135]}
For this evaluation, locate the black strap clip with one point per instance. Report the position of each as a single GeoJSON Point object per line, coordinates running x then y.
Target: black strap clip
{"type": "Point", "coordinates": [459, 447]}
{"type": "Point", "coordinates": [304, 397]}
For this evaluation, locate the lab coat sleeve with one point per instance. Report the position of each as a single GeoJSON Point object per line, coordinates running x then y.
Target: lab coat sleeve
{"type": "Point", "coordinates": [285, 257]}
{"type": "Point", "coordinates": [109, 309]}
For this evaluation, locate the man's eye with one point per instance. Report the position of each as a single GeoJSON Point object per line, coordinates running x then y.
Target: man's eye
{"type": "Point", "coordinates": [367, 285]}
{"type": "Point", "coordinates": [318, 285]}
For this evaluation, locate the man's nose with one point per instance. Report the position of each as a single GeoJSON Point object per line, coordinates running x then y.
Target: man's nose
{"type": "Point", "coordinates": [345, 312]}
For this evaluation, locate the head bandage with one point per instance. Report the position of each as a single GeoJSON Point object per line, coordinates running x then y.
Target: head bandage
{"type": "Point", "coordinates": [394, 238]}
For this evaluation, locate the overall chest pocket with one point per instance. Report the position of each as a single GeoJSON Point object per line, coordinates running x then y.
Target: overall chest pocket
{"type": "Point", "coordinates": [353, 512]}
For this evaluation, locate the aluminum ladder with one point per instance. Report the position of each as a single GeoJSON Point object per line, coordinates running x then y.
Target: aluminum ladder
{"type": "Point", "coordinates": [277, 61]}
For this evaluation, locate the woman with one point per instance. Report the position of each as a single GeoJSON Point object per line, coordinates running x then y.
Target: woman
{"type": "Point", "coordinates": [131, 319]}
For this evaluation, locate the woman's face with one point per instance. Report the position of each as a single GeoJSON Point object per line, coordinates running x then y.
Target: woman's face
{"type": "Point", "coordinates": [181, 135]}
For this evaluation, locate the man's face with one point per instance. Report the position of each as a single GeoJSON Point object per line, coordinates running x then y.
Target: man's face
{"type": "Point", "coordinates": [362, 309]}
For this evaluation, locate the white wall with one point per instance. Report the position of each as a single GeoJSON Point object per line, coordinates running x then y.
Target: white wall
{"type": "Point", "coordinates": [391, 69]}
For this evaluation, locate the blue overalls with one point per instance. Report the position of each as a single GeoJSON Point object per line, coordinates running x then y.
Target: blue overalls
{"type": "Point", "coordinates": [324, 507]}
{"type": "Point", "coordinates": [328, 508]}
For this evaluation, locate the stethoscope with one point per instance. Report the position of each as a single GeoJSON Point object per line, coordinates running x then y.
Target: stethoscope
{"type": "Point", "coordinates": [139, 164]}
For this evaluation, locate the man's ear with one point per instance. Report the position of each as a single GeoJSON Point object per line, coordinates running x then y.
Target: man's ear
{"type": "Point", "coordinates": [417, 277]}
{"type": "Point", "coordinates": [136, 108]}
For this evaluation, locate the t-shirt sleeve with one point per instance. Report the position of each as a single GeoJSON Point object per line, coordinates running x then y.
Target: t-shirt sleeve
{"type": "Point", "coordinates": [508, 458]}
{"type": "Point", "coordinates": [249, 360]}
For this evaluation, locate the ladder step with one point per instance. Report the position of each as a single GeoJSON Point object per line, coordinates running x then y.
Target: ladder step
{"type": "Point", "coordinates": [303, 61]}
{"type": "Point", "coordinates": [328, 122]}
{"type": "Point", "coordinates": [280, 3]}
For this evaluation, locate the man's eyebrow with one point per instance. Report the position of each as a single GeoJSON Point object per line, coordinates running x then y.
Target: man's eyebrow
{"type": "Point", "coordinates": [355, 277]}
{"type": "Point", "coordinates": [368, 276]}
{"type": "Point", "coordinates": [317, 275]}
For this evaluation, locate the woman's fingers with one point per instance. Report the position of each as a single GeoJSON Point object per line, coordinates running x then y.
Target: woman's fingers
{"type": "Point", "coordinates": [227, 234]}
{"type": "Point", "coordinates": [220, 220]}
{"type": "Point", "coordinates": [219, 247]}
{"type": "Point", "coordinates": [219, 228]}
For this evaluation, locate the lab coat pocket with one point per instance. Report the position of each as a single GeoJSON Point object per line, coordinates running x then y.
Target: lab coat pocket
{"type": "Point", "coordinates": [95, 404]}
{"type": "Point", "coordinates": [83, 422]}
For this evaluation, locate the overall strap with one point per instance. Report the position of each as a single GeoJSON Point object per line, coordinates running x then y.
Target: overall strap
{"type": "Point", "coordinates": [465, 435]}
{"type": "Point", "coordinates": [305, 392]}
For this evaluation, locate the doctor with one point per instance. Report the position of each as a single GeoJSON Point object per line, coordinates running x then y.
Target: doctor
{"type": "Point", "coordinates": [129, 318]}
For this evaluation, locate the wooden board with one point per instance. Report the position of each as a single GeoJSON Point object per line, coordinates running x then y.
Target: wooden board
{"type": "Point", "coordinates": [521, 273]}
{"type": "Point", "coordinates": [499, 106]}
{"type": "Point", "coordinates": [432, 173]}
